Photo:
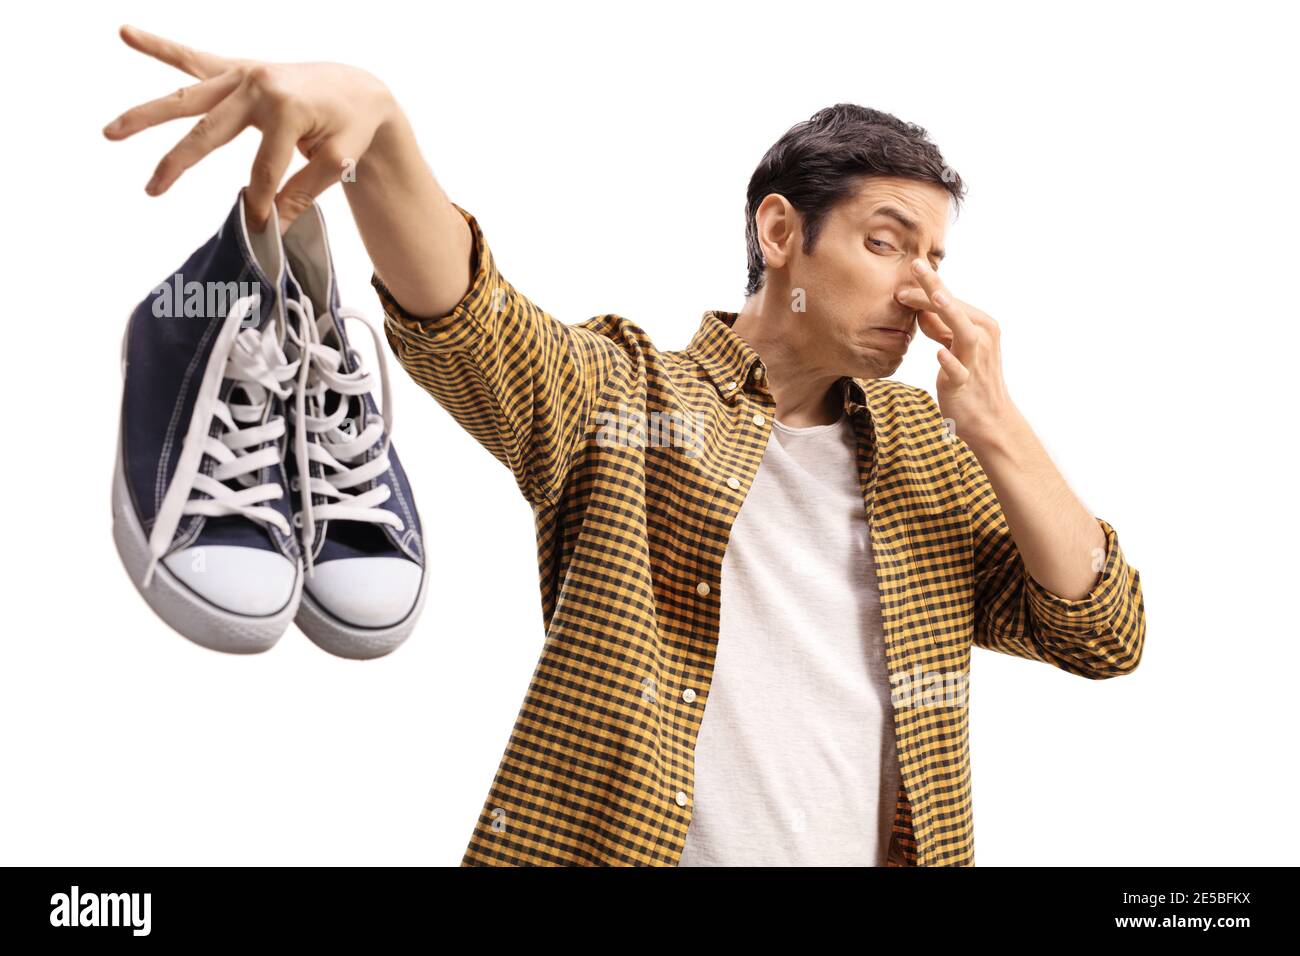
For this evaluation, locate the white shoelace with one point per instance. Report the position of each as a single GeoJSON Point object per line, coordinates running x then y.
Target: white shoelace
{"type": "Point", "coordinates": [255, 361]}
{"type": "Point", "coordinates": [343, 454]}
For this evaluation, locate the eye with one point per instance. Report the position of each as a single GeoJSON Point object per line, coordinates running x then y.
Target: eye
{"type": "Point", "coordinates": [879, 243]}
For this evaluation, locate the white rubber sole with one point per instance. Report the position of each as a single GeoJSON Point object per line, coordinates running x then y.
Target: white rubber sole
{"type": "Point", "coordinates": [341, 639]}
{"type": "Point", "coordinates": [182, 609]}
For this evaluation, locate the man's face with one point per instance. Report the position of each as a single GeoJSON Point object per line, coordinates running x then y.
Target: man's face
{"type": "Point", "coordinates": [859, 263]}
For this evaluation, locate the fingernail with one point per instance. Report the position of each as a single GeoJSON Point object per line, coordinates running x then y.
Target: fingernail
{"type": "Point", "coordinates": [114, 127]}
{"type": "Point", "coordinates": [918, 265]}
{"type": "Point", "coordinates": [940, 298]}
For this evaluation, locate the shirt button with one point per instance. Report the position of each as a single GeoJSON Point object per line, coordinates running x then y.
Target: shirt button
{"type": "Point", "coordinates": [758, 374]}
{"type": "Point", "coordinates": [702, 588]}
{"type": "Point", "coordinates": [688, 695]}
{"type": "Point", "coordinates": [733, 483]}
{"type": "Point", "coordinates": [731, 386]}
{"type": "Point", "coordinates": [759, 419]}
{"type": "Point", "coordinates": [681, 798]}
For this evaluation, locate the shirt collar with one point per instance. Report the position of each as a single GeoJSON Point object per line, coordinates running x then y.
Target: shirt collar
{"type": "Point", "coordinates": [730, 360]}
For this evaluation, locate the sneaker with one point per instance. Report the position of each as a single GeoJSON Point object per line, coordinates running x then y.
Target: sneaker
{"type": "Point", "coordinates": [359, 529]}
{"type": "Point", "coordinates": [202, 518]}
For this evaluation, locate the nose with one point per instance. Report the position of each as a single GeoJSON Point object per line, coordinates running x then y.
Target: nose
{"type": "Point", "coordinates": [900, 293]}
{"type": "Point", "coordinates": [900, 296]}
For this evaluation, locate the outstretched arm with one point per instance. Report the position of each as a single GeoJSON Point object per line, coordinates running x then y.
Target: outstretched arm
{"type": "Point", "coordinates": [518, 379]}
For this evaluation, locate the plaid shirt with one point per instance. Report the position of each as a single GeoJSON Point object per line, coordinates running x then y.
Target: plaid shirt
{"type": "Point", "coordinates": [631, 530]}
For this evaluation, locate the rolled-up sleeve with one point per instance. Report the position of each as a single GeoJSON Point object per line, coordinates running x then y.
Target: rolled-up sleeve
{"type": "Point", "coordinates": [1109, 600]}
{"type": "Point", "coordinates": [1099, 635]}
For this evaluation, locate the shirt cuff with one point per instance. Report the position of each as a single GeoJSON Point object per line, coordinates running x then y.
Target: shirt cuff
{"type": "Point", "coordinates": [1095, 611]}
{"type": "Point", "coordinates": [461, 325]}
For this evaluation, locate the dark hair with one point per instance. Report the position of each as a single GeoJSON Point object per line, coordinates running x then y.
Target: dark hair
{"type": "Point", "coordinates": [822, 160]}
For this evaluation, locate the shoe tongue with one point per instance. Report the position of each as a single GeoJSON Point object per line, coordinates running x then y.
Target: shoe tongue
{"type": "Point", "coordinates": [307, 252]}
{"type": "Point", "coordinates": [310, 277]}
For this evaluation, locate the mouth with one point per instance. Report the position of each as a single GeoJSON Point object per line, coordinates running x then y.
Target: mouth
{"type": "Point", "coordinates": [904, 337]}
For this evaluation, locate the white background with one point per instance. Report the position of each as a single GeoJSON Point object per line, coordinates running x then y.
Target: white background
{"type": "Point", "coordinates": [1130, 224]}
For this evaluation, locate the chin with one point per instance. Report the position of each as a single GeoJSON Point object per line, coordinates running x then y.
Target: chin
{"type": "Point", "coordinates": [878, 365]}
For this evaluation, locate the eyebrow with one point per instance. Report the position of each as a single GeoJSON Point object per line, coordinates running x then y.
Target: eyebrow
{"type": "Point", "coordinates": [906, 222]}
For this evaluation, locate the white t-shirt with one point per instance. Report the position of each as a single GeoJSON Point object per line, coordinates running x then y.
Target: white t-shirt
{"type": "Point", "coordinates": [795, 763]}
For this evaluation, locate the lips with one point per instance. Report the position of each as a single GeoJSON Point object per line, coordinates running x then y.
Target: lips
{"type": "Point", "coordinates": [907, 336]}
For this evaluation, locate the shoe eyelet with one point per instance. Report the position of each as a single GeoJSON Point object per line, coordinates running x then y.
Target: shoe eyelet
{"type": "Point", "coordinates": [297, 519]}
{"type": "Point", "coordinates": [295, 484]}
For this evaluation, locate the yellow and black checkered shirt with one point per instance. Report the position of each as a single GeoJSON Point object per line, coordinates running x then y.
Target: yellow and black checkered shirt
{"type": "Point", "coordinates": [631, 531]}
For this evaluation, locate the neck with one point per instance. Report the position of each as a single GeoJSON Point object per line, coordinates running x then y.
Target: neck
{"type": "Point", "coordinates": [806, 390]}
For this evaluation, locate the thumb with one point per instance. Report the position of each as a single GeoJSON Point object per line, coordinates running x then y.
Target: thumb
{"type": "Point", "coordinates": [300, 192]}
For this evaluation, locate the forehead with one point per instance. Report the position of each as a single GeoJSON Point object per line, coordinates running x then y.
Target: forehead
{"type": "Point", "coordinates": [925, 204]}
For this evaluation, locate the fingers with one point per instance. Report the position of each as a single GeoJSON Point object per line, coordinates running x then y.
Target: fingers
{"type": "Point", "coordinates": [324, 170]}
{"type": "Point", "coordinates": [194, 62]}
{"type": "Point", "coordinates": [917, 300]}
{"type": "Point", "coordinates": [218, 127]}
{"type": "Point", "coordinates": [273, 158]}
{"type": "Point", "coordinates": [951, 369]}
{"type": "Point", "coordinates": [931, 325]}
{"type": "Point", "coordinates": [939, 300]}
{"type": "Point", "coordinates": [187, 101]}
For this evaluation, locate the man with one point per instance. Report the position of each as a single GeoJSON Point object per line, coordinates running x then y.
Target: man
{"type": "Point", "coordinates": [759, 619]}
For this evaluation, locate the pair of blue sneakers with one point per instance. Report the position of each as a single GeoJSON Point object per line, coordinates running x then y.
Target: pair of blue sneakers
{"type": "Point", "coordinates": [256, 483]}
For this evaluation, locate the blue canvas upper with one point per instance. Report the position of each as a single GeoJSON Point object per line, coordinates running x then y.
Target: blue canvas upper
{"type": "Point", "coordinates": [311, 276]}
{"type": "Point", "coordinates": [168, 344]}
